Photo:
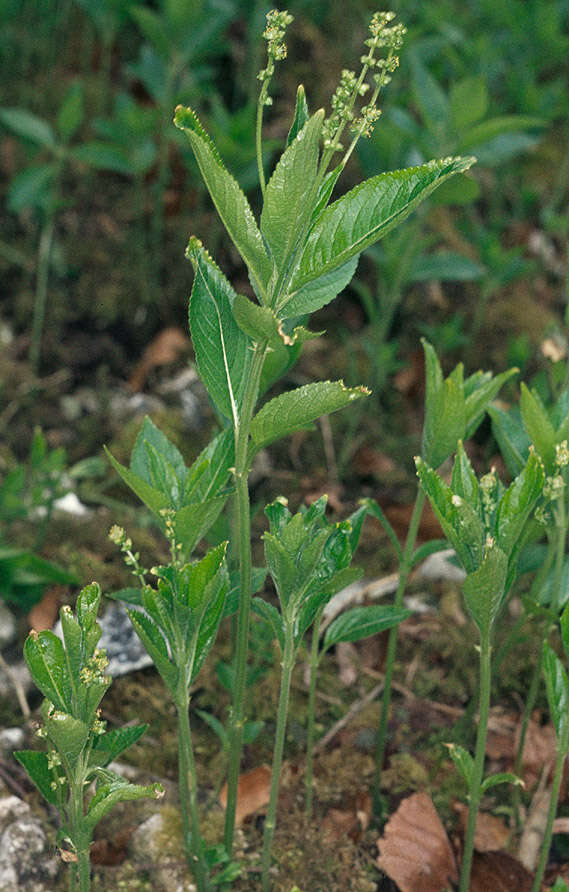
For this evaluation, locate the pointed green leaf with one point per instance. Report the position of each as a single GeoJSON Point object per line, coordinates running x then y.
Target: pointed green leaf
{"type": "Point", "coordinates": [108, 795]}
{"type": "Point", "coordinates": [375, 509]}
{"type": "Point", "coordinates": [221, 347]}
{"type": "Point", "coordinates": [231, 204]}
{"type": "Point", "coordinates": [36, 765]}
{"type": "Point", "coordinates": [557, 688]}
{"type": "Point", "coordinates": [484, 589]}
{"type": "Point", "coordinates": [512, 439]}
{"type": "Point", "coordinates": [325, 192]}
{"type": "Point", "coordinates": [463, 481]}
{"type": "Point", "coordinates": [220, 455]}
{"type": "Point", "coordinates": [298, 408]}
{"type": "Point", "coordinates": [200, 574]}
{"type": "Point", "coordinates": [517, 503]}
{"type": "Point", "coordinates": [362, 622]}
{"type": "Point", "coordinates": [215, 725]}
{"type": "Point", "coordinates": [281, 566]}
{"type": "Point", "coordinates": [538, 426]}
{"type": "Point", "coordinates": [287, 204]}
{"type": "Point", "coordinates": [151, 497]}
{"type": "Point", "coordinates": [28, 126]}
{"type": "Point", "coordinates": [151, 441]}
{"type": "Point", "coordinates": [445, 412]}
{"type": "Point", "coordinates": [44, 655]}
{"type": "Point", "coordinates": [88, 605]}
{"type": "Point", "coordinates": [154, 643]}
{"type": "Point", "coordinates": [259, 323]}
{"type": "Point", "coordinates": [318, 293]}
{"type": "Point", "coordinates": [367, 213]}
{"type": "Point", "coordinates": [29, 189]}
{"type": "Point", "coordinates": [68, 734]}
{"type": "Point", "coordinates": [479, 391]}
{"type": "Point", "coordinates": [193, 522]}
{"type": "Point", "coordinates": [502, 777]}
{"type": "Point", "coordinates": [70, 114]}
{"type": "Point", "coordinates": [463, 761]}
{"type": "Point", "coordinates": [301, 115]}
{"type": "Point", "coordinates": [72, 638]}
{"type": "Point", "coordinates": [112, 743]}
{"type": "Point", "coordinates": [564, 621]}
{"type": "Point", "coordinates": [214, 602]}
{"type": "Point", "coordinates": [270, 613]}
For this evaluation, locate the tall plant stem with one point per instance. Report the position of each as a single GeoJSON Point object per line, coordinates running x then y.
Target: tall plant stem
{"type": "Point", "coordinates": [528, 709]}
{"type": "Point", "coordinates": [404, 569]}
{"type": "Point", "coordinates": [478, 767]}
{"type": "Point", "coordinates": [562, 747]}
{"type": "Point", "coordinates": [311, 705]}
{"type": "Point", "coordinates": [270, 823]}
{"type": "Point", "coordinates": [243, 525]}
{"type": "Point", "coordinates": [193, 843]}
{"type": "Point", "coordinates": [44, 259]}
{"type": "Point", "coordinates": [82, 869]}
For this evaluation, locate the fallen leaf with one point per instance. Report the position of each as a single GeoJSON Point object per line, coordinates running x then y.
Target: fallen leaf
{"type": "Point", "coordinates": [415, 851]}
{"type": "Point", "coordinates": [162, 350]}
{"type": "Point", "coordinates": [539, 749]}
{"type": "Point", "coordinates": [491, 833]}
{"type": "Point", "coordinates": [498, 872]}
{"type": "Point", "coordinates": [253, 791]}
{"type": "Point", "coordinates": [350, 821]}
{"type": "Point", "coordinates": [531, 840]}
{"type": "Point", "coordinates": [43, 615]}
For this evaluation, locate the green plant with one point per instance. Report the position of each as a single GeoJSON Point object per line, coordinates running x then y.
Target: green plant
{"type": "Point", "coordinates": [38, 187]}
{"type": "Point", "coordinates": [71, 676]}
{"type": "Point", "coordinates": [298, 260]}
{"type": "Point", "coordinates": [454, 408]}
{"type": "Point", "coordinates": [485, 525]}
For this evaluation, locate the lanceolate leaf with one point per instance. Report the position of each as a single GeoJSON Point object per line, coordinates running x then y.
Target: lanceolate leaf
{"type": "Point", "coordinates": [221, 347]}
{"type": "Point", "coordinates": [367, 213]}
{"type": "Point", "coordinates": [301, 115]}
{"type": "Point", "coordinates": [361, 622]}
{"type": "Point", "coordinates": [511, 436]}
{"type": "Point", "coordinates": [194, 521]}
{"type": "Point", "coordinates": [35, 763]}
{"type": "Point", "coordinates": [318, 293]}
{"type": "Point", "coordinates": [463, 761]}
{"type": "Point", "coordinates": [140, 460]}
{"type": "Point", "coordinates": [44, 655]}
{"type": "Point", "coordinates": [538, 426]}
{"type": "Point", "coordinates": [484, 589]}
{"type": "Point", "coordinates": [27, 125]}
{"type": "Point", "coordinates": [298, 408]}
{"type": "Point", "coordinates": [502, 777]}
{"type": "Point", "coordinates": [108, 795]}
{"type": "Point", "coordinates": [287, 206]}
{"type": "Point", "coordinates": [151, 497]}
{"type": "Point", "coordinates": [111, 744]}
{"type": "Point", "coordinates": [231, 204]}
{"type": "Point", "coordinates": [262, 324]}
{"type": "Point", "coordinates": [557, 687]}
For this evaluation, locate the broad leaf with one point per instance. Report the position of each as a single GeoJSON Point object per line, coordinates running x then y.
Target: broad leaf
{"type": "Point", "coordinates": [221, 347]}
{"type": "Point", "coordinates": [362, 622]}
{"type": "Point", "coordinates": [367, 213]}
{"type": "Point", "coordinates": [154, 643]}
{"type": "Point", "coordinates": [45, 657]}
{"type": "Point", "coordinates": [36, 765]}
{"type": "Point", "coordinates": [229, 200]}
{"type": "Point", "coordinates": [28, 126]}
{"type": "Point", "coordinates": [120, 790]}
{"type": "Point", "coordinates": [194, 521]}
{"type": "Point", "coordinates": [151, 497]}
{"type": "Point", "coordinates": [287, 204]}
{"type": "Point", "coordinates": [517, 502]}
{"type": "Point", "coordinates": [262, 324]}
{"type": "Point", "coordinates": [151, 441]}
{"type": "Point", "coordinates": [538, 426]}
{"type": "Point", "coordinates": [111, 744]}
{"type": "Point", "coordinates": [557, 687]}
{"type": "Point", "coordinates": [68, 734]}
{"type": "Point", "coordinates": [319, 292]}
{"type": "Point", "coordinates": [484, 589]}
{"type": "Point", "coordinates": [298, 408]}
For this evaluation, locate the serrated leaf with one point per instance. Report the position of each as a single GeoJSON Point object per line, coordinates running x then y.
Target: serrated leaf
{"type": "Point", "coordinates": [36, 765]}
{"type": "Point", "coordinates": [193, 522]}
{"type": "Point", "coordinates": [151, 497]}
{"type": "Point", "coordinates": [478, 399]}
{"type": "Point", "coordinates": [367, 213]}
{"type": "Point", "coordinates": [222, 348]}
{"type": "Point", "coordinates": [287, 203]}
{"type": "Point", "coordinates": [213, 601]}
{"type": "Point", "coordinates": [517, 502]}
{"type": "Point", "coordinates": [463, 761]}
{"type": "Point", "coordinates": [68, 734]}
{"type": "Point", "coordinates": [318, 293]}
{"type": "Point", "coordinates": [108, 795]}
{"type": "Point", "coordinates": [301, 115]}
{"type": "Point", "coordinates": [325, 191]}
{"type": "Point", "coordinates": [45, 657]}
{"type": "Point", "coordinates": [154, 643]}
{"type": "Point", "coordinates": [538, 426]}
{"type": "Point", "coordinates": [270, 613]}
{"type": "Point", "coordinates": [362, 622]}
{"type": "Point", "coordinates": [28, 126]}
{"type": "Point", "coordinates": [298, 408]}
{"type": "Point", "coordinates": [229, 200]}
{"type": "Point", "coordinates": [557, 688]}
{"type": "Point", "coordinates": [484, 589]}
{"type": "Point", "coordinates": [463, 481]}
{"type": "Point", "coordinates": [112, 743]}
{"type": "Point", "coordinates": [141, 462]}
{"type": "Point", "coordinates": [259, 323]}
{"type": "Point", "coordinates": [502, 777]}
{"type": "Point", "coordinates": [445, 411]}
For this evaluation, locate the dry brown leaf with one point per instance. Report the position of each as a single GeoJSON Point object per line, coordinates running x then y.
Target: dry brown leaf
{"type": "Point", "coordinates": [163, 349]}
{"type": "Point", "coordinates": [531, 840]}
{"type": "Point", "coordinates": [349, 821]}
{"type": "Point", "coordinates": [253, 792]}
{"type": "Point", "coordinates": [347, 661]}
{"type": "Point", "coordinates": [539, 750]}
{"type": "Point", "coordinates": [415, 851]}
{"type": "Point", "coordinates": [498, 872]}
{"type": "Point", "coordinates": [491, 833]}
{"type": "Point", "coordinates": [43, 615]}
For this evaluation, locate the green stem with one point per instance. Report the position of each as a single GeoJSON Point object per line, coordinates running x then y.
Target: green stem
{"type": "Point", "coordinates": [562, 748]}
{"type": "Point", "coordinates": [478, 766]}
{"type": "Point", "coordinates": [314, 653]}
{"type": "Point", "coordinates": [561, 530]}
{"type": "Point", "coordinates": [528, 709]}
{"type": "Point", "coordinates": [259, 134]}
{"type": "Point", "coordinates": [270, 823]}
{"type": "Point", "coordinates": [243, 525]}
{"type": "Point", "coordinates": [44, 259]}
{"type": "Point", "coordinates": [404, 569]}
{"type": "Point", "coordinates": [81, 840]}
{"type": "Point", "coordinates": [193, 843]}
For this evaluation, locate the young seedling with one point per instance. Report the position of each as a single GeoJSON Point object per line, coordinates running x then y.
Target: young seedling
{"type": "Point", "coordinates": [485, 525]}
{"type": "Point", "coordinates": [454, 408]}
{"type": "Point", "coordinates": [352, 625]}
{"type": "Point", "coordinates": [557, 687]}
{"type": "Point", "coordinates": [71, 676]}
{"type": "Point", "coordinates": [178, 628]}
{"type": "Point", "coordinates": [308, 559]}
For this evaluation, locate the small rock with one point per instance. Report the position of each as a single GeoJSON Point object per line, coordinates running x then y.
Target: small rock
{"type": "Point", "coordinates": [21, 671]}
{"type": "Point", "coordinates": [11, 739]}
{"type": "Point", "coordinates": [7, 626]}
{"type": "Point", "coordinates": [25, 862]}
{"type": "Point", "coordinates": [153, 842]}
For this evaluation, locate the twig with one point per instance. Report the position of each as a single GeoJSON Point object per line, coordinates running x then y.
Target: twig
{"type": "Point", "coordinates": [352, 712]}
{"type": "Point", "coordinates": [20, 693]}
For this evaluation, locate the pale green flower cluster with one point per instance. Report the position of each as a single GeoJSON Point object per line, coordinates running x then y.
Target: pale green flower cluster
{"type": "Point", "coordinates": [277, 23]}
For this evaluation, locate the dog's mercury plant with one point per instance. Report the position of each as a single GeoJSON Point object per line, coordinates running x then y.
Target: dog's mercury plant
{"type": "Point", "coordinates": [71, 676]}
